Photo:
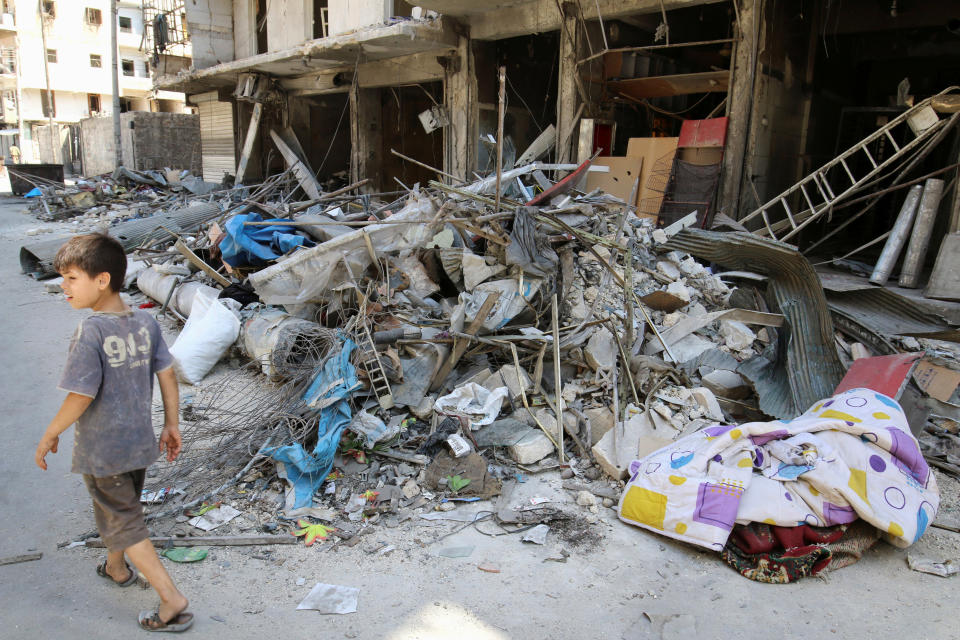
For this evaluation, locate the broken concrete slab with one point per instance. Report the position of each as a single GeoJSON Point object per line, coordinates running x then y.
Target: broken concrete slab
{"type": "Point", "coordinates": [628, 441]}
{"type": "Point", "coordinates": [726, 384]}
{"type": "Point", "coordinates": [601, 421]}
{"type": "Point", "coordinates": [601, 351]}
{"type": "Point", "coordinates": [513, 379]}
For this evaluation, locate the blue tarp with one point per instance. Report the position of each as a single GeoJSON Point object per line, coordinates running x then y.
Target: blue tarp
{"type": "Point", "coordinates": [257, 245]}
{"type": "Point", "coordinates": [33, 193]}
{"type": "Point", "coordinates": [330, 390]}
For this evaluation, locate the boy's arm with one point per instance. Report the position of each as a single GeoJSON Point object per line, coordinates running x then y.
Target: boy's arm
{"type": "Point", "coordinates": [170, 392]}
{"type": "Point", "coordinates": [70, 411]}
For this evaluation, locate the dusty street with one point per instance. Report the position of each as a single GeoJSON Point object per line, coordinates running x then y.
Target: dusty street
{"type": "Point", "coordinates": [613, 576]}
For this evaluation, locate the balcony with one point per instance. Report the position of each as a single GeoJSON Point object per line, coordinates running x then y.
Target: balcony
{"type": "Point", "coordinates": [8, 68]}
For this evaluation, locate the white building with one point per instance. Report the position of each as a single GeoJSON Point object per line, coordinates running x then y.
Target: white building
{"type": "Point", "coordinates": [76, 58]}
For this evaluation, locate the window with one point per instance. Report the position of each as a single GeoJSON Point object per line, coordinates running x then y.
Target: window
{"type": "Point", "coordinates": [46, 104]}
{"type": "Point", "coordinates": [126, 24]}
{"type": "Point", "coordinates": [93, 102]}
{"type": "Point", "coordinates": [127, 66]}
{"type": "Point", "coordinates": [95, 61]}
{"type": "Point", "coordinates": [146, 68]}
{"type": "Point", "coordinates": [51, 55]}
{"type": "Point", "coordinates": [50, 8]}
{"type": "Point", "coordinates": [93, 16]}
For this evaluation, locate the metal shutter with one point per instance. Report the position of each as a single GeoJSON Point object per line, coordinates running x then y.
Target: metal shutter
{"type": "Point", "coordinates": [216, 139]}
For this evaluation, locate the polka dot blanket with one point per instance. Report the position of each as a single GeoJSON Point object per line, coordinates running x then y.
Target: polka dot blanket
{"type": "Point", "coordinates": [851, 456]}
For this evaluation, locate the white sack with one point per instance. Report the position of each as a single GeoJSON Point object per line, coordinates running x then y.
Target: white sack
{"type": "Point", "coordinates": [208, 333]}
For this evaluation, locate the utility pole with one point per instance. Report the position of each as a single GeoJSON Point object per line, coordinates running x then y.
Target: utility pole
{"type": "Point", "coordinates": [117, 142]}
{"type": "Point", "coordinates": [54, 135]}
{"type": "Point", "coordinates": [23, 132]}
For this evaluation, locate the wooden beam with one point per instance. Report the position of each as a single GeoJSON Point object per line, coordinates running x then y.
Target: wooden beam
{"type": "Point", "coordinates": [365, 136]}
{"type": "Point", "coordinates": [460, 346]}
{"type": "Point", "coordinates": [675, 85]}
{"type": "Point", "coordinates": [460, 95]}
{"type": "Point", "coordinates": [248, 142]}
{"type": "Point", "coordinates": [567, 98]}
{"type": "Point", "coordinates": [195, 260]}
{"type": "Point", "coordinates": [740, 105]}
{"type": "Point", "coordinates": [207, 541]}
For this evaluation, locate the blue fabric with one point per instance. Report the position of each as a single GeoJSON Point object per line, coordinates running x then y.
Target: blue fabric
{"type": "Point", "coordinates": [257, 245]}
{"type": "Point", "coordinates": [329, 390]}
{"type": "Point", "coordinates": [33, 193]}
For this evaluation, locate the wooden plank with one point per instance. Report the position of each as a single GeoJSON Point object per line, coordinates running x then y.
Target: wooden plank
{"type": "Point", "coordinates": [207, 541]}
{"type": "Point", "coordinates": [657, 154]}
{"type": "Point", "coordinates": [200, 264]}
{"type": "Point", "coordinates": [248, 142]}
{"type": "Point", "coordinates": [460, 346]}
{"type": "Point", "coordinates": [676, 85]}
{"type": "Point", "coordinates": [26, 557]}
{"type": "Point", "coordinates": [619, 181]}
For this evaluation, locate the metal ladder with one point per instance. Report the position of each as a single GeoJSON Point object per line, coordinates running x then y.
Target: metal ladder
{"type": "Point", "coordinates": [819, 195]}
{"type": "Point", "coordinates": [370, 361]}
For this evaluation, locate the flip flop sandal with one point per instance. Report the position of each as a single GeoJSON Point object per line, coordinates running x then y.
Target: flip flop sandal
{"type": "Point", "coordinates": [102, 572]}
{"type": "Point", "coordinates": [150, 621]}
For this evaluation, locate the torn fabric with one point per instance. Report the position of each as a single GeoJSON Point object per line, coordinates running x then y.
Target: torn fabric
{"type": "Point", "coordinates": [257, 245]}
{"type": "Point", "coordinates": [329, 393]}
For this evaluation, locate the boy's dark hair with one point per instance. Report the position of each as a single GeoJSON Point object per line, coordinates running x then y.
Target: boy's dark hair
{"type": "Point", "coordinates": [94, 254]}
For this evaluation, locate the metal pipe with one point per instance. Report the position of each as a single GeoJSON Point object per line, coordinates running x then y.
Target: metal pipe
{"type": "Point", "coordinates": [920, 238]}
{"type": "Point", "coordinates": [898, 237]}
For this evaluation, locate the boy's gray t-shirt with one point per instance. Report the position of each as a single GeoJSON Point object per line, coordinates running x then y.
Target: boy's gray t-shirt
{"type": "Point", "coordinates": [112, 359]}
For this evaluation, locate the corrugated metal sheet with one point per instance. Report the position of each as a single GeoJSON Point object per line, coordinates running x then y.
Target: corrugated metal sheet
{"type": "Point", "coordinates": [37, 259]}
{"type": "Point", "coordinates": [805, 367]}
{"type": "Point", "coordinates": [887, 314]}
{"type": "Point", "coordinates": [216, 140]}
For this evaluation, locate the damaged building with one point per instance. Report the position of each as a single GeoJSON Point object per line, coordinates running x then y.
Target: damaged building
{"type": "Point", "coordinates": [695, 259]}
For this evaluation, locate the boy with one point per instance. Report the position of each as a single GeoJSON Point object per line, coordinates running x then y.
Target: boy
{"type": "Point", "coordinates": [109, 379]}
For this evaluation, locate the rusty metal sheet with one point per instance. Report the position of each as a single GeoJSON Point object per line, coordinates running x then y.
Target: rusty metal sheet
{"type": "Point", "coordinates": [886, 313]}
{"type": "Point", "coordinates": [804, 366]}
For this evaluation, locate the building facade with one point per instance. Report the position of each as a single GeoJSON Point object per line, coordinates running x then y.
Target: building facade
{"type": "Point", "coordinates": [56, 64]}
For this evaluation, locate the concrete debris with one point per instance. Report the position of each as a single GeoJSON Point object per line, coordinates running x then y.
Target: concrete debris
{"type": "Point", "coordinates": [412, 355]}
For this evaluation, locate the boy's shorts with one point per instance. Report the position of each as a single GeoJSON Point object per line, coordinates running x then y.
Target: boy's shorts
{"type": "Point", "coordinates": [117, 509]}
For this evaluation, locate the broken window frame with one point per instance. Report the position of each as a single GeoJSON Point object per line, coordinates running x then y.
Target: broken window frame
{"type": "Point", "coordinates": [132, 69]}
{"type": "Point", "coordinates": [93, 16]}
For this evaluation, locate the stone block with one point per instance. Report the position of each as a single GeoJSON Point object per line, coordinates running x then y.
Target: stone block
{"type": "Point", "coordinates": [533, 447]}
{"type": "Point", "coordinates": [736, 335]}
{"type": "Point", "coordinates": [601, 350]}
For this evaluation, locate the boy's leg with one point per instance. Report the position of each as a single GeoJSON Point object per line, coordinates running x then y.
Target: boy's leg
{"type": "Point", "coordinates": [119, 516]}
{"type": "Point", "coordinates": [145, 558]}
{"type": "Point", "coordinates": [116, 566]}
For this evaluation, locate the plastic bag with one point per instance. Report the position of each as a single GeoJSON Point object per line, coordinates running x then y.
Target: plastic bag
{"type": "Point", "coordinates": [209, 332]}
{"type": "Point", "coordinates": [479, 405]}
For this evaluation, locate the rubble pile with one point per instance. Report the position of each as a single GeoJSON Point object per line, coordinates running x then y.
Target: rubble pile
{"type": "Point", "coordinates": [364, 360]}
{"type": "Point", "coordinates": [125, 194]}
